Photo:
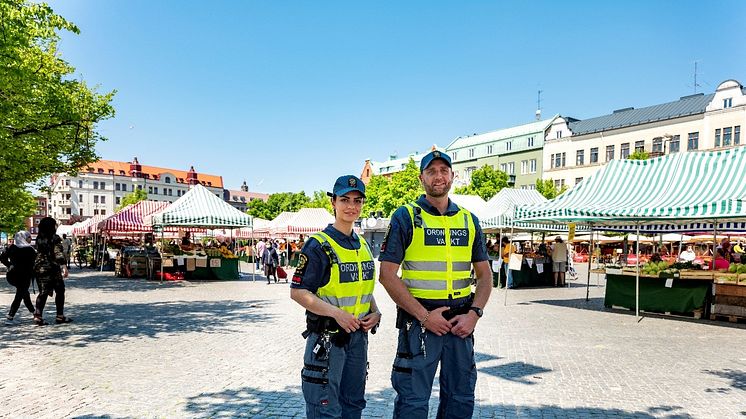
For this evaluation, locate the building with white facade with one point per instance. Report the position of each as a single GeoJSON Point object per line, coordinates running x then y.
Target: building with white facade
{"type": "Point", "coordinates": [99, 189]}
{"type": "Point", "coordinates": [574, 149]}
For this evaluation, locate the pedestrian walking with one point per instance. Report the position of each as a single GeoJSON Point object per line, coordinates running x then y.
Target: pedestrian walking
{"type": "Point", "coordinates": [67, 245]}
{"type": "Point", "coordinates": [19, 258]}
{"type": "Point", "coordinates": [50, 271]}
{"type": "Point", "coordinates": [271, 261]}
{"type": "Point", "coordinates": [436, 242]}
{"type": "Point", "coordinates": [334, 282]}
{"type": "Point", "coordinates": [260, 248]}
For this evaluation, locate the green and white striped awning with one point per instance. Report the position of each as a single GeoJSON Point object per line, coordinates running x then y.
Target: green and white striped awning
{"type": "Point", "coordinates": [678, 189]}
{"type": "Point", "coordinates": [501, 209]}
{"type": "Point", "coordinates": [200, 208]}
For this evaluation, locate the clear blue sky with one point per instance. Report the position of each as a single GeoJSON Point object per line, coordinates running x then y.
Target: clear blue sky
{"type": "Point", "coordinates": [290, 95]}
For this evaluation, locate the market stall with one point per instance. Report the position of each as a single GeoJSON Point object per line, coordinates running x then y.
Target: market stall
{"type": "Point", "coordinates": [677, 192]}
{"type": "Point", "coordinates": [535, 269]}
{"type": "Point", "coordinates": [198, 208]}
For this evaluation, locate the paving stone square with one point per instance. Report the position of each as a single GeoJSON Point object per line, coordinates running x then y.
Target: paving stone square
{"type": "Point", "coordinates": [234, 349]}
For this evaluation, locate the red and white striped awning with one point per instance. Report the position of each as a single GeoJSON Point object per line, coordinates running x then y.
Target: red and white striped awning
{"type": "Point", "coordinates": [307, 221]}
{"type": "Point", "coordinates": [129, 219]}
{"type": "Point", "coordinates": [86, 227]}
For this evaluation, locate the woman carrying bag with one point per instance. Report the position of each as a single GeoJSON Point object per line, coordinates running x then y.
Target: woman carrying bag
{"type": "Point", "coordinates": [19, 258]}
{"type": "Point", "coordinates": [50, 270]}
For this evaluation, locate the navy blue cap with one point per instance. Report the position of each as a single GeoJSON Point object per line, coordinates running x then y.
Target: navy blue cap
{"type": "Point", "coordinates": [435, 154]}
{"type": "Point", "coordinates": [346, 184]}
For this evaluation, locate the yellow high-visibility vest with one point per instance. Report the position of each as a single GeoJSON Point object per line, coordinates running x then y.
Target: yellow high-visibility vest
{"type": "Point", "coordinates": [352, 276]}
{"type": "Point", "coordinates": [437, 264]}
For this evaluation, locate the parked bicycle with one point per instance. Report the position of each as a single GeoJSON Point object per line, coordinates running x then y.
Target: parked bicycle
{"type": "Point", "coordinates": [81, 256]}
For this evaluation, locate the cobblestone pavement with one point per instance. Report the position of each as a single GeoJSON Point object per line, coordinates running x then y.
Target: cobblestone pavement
{"type": "Point", "coordinates": [232, 349]}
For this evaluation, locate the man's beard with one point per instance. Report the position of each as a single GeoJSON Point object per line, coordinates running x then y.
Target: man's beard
{"type": "Point", "coordinates": [441, 192]}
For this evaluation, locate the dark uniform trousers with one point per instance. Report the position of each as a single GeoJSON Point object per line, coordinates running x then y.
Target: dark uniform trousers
{"type": "Point", "coordinates": [335, 387]}
{"type": "Point", "coordinates": [414, 371]}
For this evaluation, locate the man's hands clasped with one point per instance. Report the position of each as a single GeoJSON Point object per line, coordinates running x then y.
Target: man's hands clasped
{"type": "Point", "coordinates": [461, 325]}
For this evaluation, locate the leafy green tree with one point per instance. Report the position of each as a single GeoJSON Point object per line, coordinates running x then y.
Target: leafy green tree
{"type": "Point", "coordinates": [374, 194]}
{"type": "Point", "coordinates": [485, 182]}
{"type": "Point", "coordinates": [47, 117]}
{"type": "Point", "coordinates": [132, 198]}
{"type": "Point", "coordinates": [639, 155]}
{"type": "Point", "coordinates": [548, 190]}
{"type": "Point", "coordinates": [12, 219]}
{"type": "Point", "coordinates": [277, 203]}
{"type": "Point", "coordinates": [320, 200]}
{"type": "Point", "coordinates": [386, 195]}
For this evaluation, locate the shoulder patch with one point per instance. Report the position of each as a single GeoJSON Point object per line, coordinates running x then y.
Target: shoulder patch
{"type": "Point", "coordinates": [300, 270]}
{"type": "Point", "coordinates": [385, 239]}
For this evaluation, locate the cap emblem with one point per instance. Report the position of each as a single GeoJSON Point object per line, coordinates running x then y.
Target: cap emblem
{"type": "Point", "coordinates": [352, 182]}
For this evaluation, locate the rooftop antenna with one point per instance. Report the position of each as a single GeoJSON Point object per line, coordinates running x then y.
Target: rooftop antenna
{"type": "Point", "coordinates": [538, 105]}
{"type": "Point", "coordinates": [696, 85]}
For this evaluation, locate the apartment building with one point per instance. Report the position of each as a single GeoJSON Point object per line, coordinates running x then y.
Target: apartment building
{"type": "Point", "coordinates": [575, 149]}
{"type": "Point", "coordinates": [240, 199]}
{"type": "Point", "coordinates": [516, 151]}
{"type": "Point", "coordinates": [99, 189]}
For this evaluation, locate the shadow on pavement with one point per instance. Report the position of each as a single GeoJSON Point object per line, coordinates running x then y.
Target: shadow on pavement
{"type": "Point", "coordinates": [738, 380]}
{"type": "Point", "coordinates": [95, 323]}
{"type": "Point", "coordinates": [517, 372]}
{"type": "Point", "coordinates": [253, 402]}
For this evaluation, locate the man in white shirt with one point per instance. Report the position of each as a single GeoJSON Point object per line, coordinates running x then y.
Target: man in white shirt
{"type": "Point", "coordinates": [260, 247]}
{"type": "Point", "coordinates": [687, 255]}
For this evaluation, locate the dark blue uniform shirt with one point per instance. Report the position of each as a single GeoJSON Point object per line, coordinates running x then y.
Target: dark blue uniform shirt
{"type": "Point", "coordinates": [314, 266]}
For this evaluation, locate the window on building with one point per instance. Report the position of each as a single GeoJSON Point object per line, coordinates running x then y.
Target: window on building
{"type": "Point", "coordinates": [167, 179]}
{"type": "Point", "coordinates": [69, 211]}
{"type": "Point", "coordinates": [117, 187]}
{"type": "Point", "coordinates": [155, 190]}
{"type": "Point", "coordinates": [95, 185]}
{"type": "Point", "coordinates": [511, 168]}
{"type": "Point", "coordinates": [727, 135]}
{"type": "Point", "coordinates": [737, 135]}
{"type": "Point", "coordinates": [100, 170]}
{"type": "Point", "coordinates": [80, 198]}
{"type": "Point", "coordinates": [95, 212]}
{"type": "Point", "coordinates": [578, 180]}
{"type": "Point", "coordinates": [489, 149]}
{"type": "Point", "coordinates": [609, 152]}
{"type": "Point", "coordinates": [530, 141]}
{"type": "Point", "coordinates": [111, 171]}
{"type": "Point", "coordinates": [118, 200]}
{"type": "Point", "coordinates": [80, 184]}
{"type": "Point", "coordinates": [594, 155]}
{"type": "Point", "coordinates": [579, 157]}
{"type": "Point", "coordinates": [508, 145]}
{"type": "Point", "coordinates": [657, 145]}
{"type": "Point", "coordinates": [524, 167]}
{"type": "Point", "coordinates": [559, 134]}
{"type": "Point", "coordinates": [471, 153]}
{"type": "Point", "coordinates": [95, 199]}
{"type": "Point", "coordinates": [693, 141]}
{"type": "Point", "coordinates": [639, 145]}
{"type": "Point", "coordinates": [102, 212]}
{"type": "Point", "coordinates": [728, 102]}
{"type": "Point", "coordinates": [103, 199]}
{"type": "Point", "coordinates": [532, 166]}
{"type": "Point", "coordinates": [150, 189]}
{"type": "Point", "coordinates": [139, 187]}
{"type": "Point", "coordinates": [624, 151]}
{"type": "Point", "coordinates": [559, 183]}
{"type": "Point", "coordinates": [675, 144]}
{"type": "Point", "coordinates": [717, 137]}
{"type": "Point", "coordinates": [102, 185]}
{"type": "Point", "coordinates": [559, 160]}
{"type": "Point", "coordinates": [504, 168]}
{"type": "Point", "coordinates": [455, 155]}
